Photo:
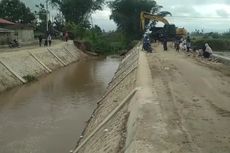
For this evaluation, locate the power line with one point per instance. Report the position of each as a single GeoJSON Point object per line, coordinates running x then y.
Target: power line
{"type": "Point", "coordinates": [197, 17]}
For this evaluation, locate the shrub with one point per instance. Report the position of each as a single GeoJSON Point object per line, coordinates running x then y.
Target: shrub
{"type": "Point", "coordinates": [29, 78]}
{"type": "Point", "coordinates": [215, 44]}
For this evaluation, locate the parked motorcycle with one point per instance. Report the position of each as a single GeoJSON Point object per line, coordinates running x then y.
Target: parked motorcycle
{"type": "Point", "coordinates": [14, 44]}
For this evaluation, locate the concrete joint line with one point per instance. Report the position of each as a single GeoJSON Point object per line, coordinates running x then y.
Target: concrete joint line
{"type": "Point", "coordinates": [40, 62]}
{"type": "Point", "coordinates": [122, 71]}
{"type": "Point", "coordinates": [69, 52]}
{"type": "Point", "coordinates": [127, 58]}
{"type": "Point", "coordinates": [107, 93]}
{"type": "Point", "coordinates": [13, 72]}
{"type": "Point", "coordinates": [130, 68]}
{"type": "Point", "coordinates": [131, 94]}
{"type": "Point", "coordinates": [124, 77]}
{"type": "Point", "coordinates": [124, 64]}
{"type": "Point", "coordinates": [57, 57]}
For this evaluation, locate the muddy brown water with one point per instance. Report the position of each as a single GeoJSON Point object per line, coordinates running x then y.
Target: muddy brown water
{"type": "Point", "coordinates": [48, 116]}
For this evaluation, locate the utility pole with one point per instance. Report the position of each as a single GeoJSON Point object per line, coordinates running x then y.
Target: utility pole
{"type": "Point", "coordinates": [47, 15]}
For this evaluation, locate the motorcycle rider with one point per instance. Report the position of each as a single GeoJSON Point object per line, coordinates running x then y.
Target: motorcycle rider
{"type": "Point", "coordinates": [147, 43]}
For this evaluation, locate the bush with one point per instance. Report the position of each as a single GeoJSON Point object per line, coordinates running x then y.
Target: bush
{"type": "Point", "coordinates": [29, 78]}
{"type": "Point", "coordinates": [95, 40]}
{"type": "Point", "coordinates": [132, 44]}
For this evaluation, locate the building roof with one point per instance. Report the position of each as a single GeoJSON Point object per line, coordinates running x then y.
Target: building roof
{"type": "Point", "coordinates": [2, 30]}
{"type": "Point", "coordinates": [20, 26]}
{"type": "Point", "coordinates": [5, 22]}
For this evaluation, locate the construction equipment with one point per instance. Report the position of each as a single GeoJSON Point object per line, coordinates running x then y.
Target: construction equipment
{"type": "Point", "coordinates": [157, 32]}
{"type": "Point", "coordinates": [182, 32]}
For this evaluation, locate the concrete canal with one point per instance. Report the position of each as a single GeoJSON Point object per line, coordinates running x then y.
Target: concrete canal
{"type": "Point", "coordinates": [48, 116]}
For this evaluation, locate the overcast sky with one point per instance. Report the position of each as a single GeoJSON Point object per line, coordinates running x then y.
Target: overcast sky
{"type": "Point", "coordinates": [209, 15]}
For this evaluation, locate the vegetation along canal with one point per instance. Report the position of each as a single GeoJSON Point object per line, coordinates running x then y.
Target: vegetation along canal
{"type": "Point", "coordinates": [49, 115]}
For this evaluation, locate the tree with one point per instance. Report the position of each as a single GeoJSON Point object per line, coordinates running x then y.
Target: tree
{"type": "Point", "coordinates": [59, 22]}
{"type": "Point", "coordinates": [41, 17]}
{"type": "Point", "coordinates": [126, 14]}
{"type": "Point", "coordinates": [16, 11]}
{"type": "Point", "coordinates": [77, 11]}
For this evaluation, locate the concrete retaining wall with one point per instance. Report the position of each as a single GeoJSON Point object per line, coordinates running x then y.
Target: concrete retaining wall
{"type": "Point", "coordinates": [111, 137]}
{"type": "Point", "coordinates": [35, 62]}
{"type": "Point", "coordinates": [223, 59]}
{"type": "Point", "coordinates": [122, 122]}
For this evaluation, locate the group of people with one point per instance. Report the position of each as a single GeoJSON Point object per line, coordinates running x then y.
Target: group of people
{"type": "Point", "coordinates": [185, 45]}
{"type": "Point", "coordinates": [205, 52]}
{"type": "Point", "coordinates": [48, 39]}
{"type": "Point", "coordinates": [180, 44]}
{"type": "Point", "coordinates": [47, 42]}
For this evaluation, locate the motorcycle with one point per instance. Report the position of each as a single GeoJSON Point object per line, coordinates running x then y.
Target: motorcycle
{"type": "Point", "coordinates": [13, 44]}
{"type": "Point", "coordinates": [147, 47]}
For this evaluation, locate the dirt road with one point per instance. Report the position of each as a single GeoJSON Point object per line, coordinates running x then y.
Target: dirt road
{"type": "Point", "coordinates": [195, 102]}
{"type": "Point", "coordinates": [28, 47]}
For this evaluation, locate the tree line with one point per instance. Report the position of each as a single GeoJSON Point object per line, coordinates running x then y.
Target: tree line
{"type": "Point", "coordinates": [74, 17]}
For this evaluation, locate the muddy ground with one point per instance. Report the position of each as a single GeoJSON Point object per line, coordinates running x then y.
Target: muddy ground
{"type": "Point", "coordinates": [194, 98]}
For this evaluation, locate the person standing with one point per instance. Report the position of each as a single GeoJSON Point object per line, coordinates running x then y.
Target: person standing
{"type": "Point", "coordinates": [66, 36]}
{"type": "Point", "coordinates": [49, 38]}
{"type": "Point", "coordinates": [165, 42]}
{"type": "Point", "coordinates": [177, 44]}
{"type": "Point", "coordinates": [188, 43]}
{"type": "Point", "coordinates": [40, 40]}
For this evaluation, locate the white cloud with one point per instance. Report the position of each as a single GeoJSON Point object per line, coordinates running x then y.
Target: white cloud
{"type": "Point", "coordinates": [210, 15]}
{"type": "Point", "coordinates": [101, 18]}
{"type": "Point", "coordinates": [222, 13]}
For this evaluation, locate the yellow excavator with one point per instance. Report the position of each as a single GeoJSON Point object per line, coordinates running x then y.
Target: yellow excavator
{"type": "Point", "coordinates": [169, 29]}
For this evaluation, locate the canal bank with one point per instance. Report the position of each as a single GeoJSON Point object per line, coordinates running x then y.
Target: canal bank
{"type": "Point", "coordinates": [111, 128]}
{"type": "Point", "coordinates": [156, 102]}
{"type": "Point", "coordinates": [19, 67]}
{"type": "Point", "coordinates": [122, 120]}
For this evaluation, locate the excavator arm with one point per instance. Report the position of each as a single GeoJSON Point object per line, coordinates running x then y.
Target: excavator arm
{"type": "Point", "coordinates": [146, 15]}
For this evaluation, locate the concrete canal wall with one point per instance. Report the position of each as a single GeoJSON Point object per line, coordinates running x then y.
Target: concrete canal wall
{"type": "Point", "coordinates": [129, 118]}
{"type": "Point", "coordinates": [223, 59]}
{"type": "Point", "coordinates": [16, 67]}
{"type": "Point", "coordinates": [114, 126]}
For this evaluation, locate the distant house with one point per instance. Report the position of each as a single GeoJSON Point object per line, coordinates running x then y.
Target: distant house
{"type": "Point", "coordinates": [23, 33]}
{"type": "Point", "coordinates": [5, 34]}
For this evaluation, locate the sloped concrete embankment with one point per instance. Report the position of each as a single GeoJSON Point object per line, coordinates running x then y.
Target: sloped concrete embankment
{"type": "Point", "coordinates": [15, 66]}
{"type": "Point", "coordinates": [223, 59]}
{"type": "Point", "coordinates": [115, 126]}
{"type": "Point", "coordinates": [106, 128]}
